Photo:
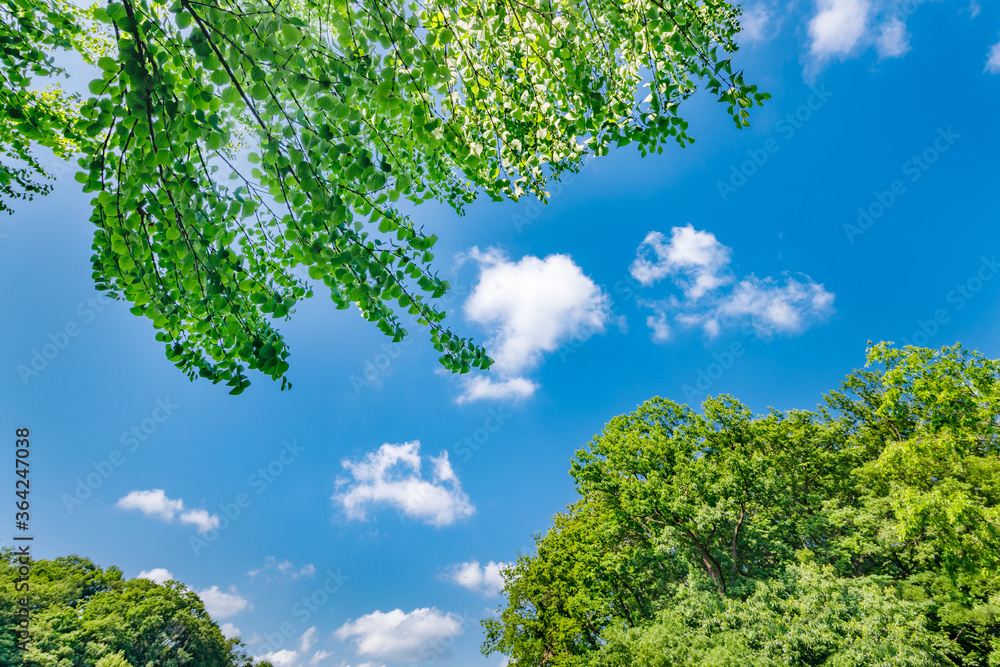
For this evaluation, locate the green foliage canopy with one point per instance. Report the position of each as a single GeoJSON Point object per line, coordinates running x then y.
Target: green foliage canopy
{"type": "Point", "coordinates": [85, 616]}
{"type": "Point", "coordinates": [31, 117]}
{"type": "Point", "coordinates": [349, 108]}
{"type": "Point", "coordinates": [866, 532]}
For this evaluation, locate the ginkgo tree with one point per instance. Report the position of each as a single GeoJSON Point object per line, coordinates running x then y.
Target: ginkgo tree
{"type": "Point", "coordinates": [344, 109]}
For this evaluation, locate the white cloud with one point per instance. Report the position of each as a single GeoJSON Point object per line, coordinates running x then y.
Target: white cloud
{"type": "Point", "coordinates": [772, 306]}
{"type": "Point", "coordinates": [399, 636]}
{"type": "Point", "coordinates": [152, 503]}
{"type": "Point", "coordinates": [319, 656]}
{"type": "Point", "coordinates": [658, 325]}
{"type": "Point", "coordinates": [157, 574]}
{"type": "Point", "coordinates": [392, 476]}
{"type": "Point", "coordinates": [229, 630]}
{"type": "Point", "coordinates": [838, 27]}
{"type": "Point", "coordinates": [846, 28]}
{"type": "Point", "coordinates": [220, 604]}
{"type": "Point", "coordinates": [155, 503]}
{"type": "Point", "coordinates": [485, 580]}
{"type": "Point", "coordinates": [283, 569]}
{"type": "Point", "coordinates": [696, 259]}
{"type": "Point", "coordinates": [202, 519]}
{"type": "Point", "coordinates": [297, 657]}
{"type": "Point", "coordinates": [531, 307]}
{"type": "Point", "coordinates": [894, 40]}
{"type": "Point", "coordinates": [754, 23]}
{"type": "Point", "coordinates": [480, 387]}
{"type": "Point", "coordinates": [713, 298]}
{"type": "Point", "coordinates": [307, 640]}
{"type": "Point", "coordinates": [993, 61]}
{"type": "Point", "coordinates": [283, 658]}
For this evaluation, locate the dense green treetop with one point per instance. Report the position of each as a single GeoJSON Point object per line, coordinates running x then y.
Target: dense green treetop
{"type": "Point", "coordinates": [866, 532]}
{"type": "Point", "coordinates": [345, 109]}
{"type": "Point", "coordinates": [85, 616]}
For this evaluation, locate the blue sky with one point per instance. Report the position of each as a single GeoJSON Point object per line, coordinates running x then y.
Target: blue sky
{"type": "Point", "coordinates": [359, 518]}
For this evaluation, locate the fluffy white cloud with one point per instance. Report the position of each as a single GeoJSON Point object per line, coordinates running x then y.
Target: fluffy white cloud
{"type": "Point", "coordinates": [152, 503]}
{"type": "Point", "coordinates": [157, 574]}
{"type": "Point", "coordinates": [483, 579]}
{"type": "Point", "coordinates": [229, 630]}
{"type": "Point", "coordinates": [220, 604]}
{"type": "Point", "coordinates": [894, 40]}
{"type": "Point", "coordinates": [993, 61]}
{"type": "Point", "coordinates": [156, 504]}
{"type": "Point", "coordinates": [712, 297]}
{"type": "Point", "coordinates": [696, 260]}
{"type": "Point", "coordinates": [400, 636]}
{"type": "Point", "coordinates": [845, 28]}
{"type": "Point", "coordinates": [530, 307]}
{"type": "Point", "coordinates": [392, 476]}
{"type": "Point", "coordinates": [838, 27]}
{"type": "Point", "coordinates": [284, 569]}
{"type": "Point", "coordinates": [773, 306]}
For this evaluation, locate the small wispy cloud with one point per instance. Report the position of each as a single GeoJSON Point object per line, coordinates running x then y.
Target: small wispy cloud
{"type": "Point", "coordinates": [486, 579]}
{"type": "Point", "coordinates": [894, 40]}
{"type": "Point", "coordinates": [299, 656]}
{"type": "Point", "coordinates": [756, 23]}
{"type": "Point", "coordinates": [993, 59]}
{"type": "Point", "coordinates": [838, 27]}
{"type": "Point", "coordinates": [273, 569]}
{"type": "Point", "coordinates": [229, 630]}
{"type": "Point", "coordinates": [155, 503]}
{"type": "Point", "coordinates": [157, 574]}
